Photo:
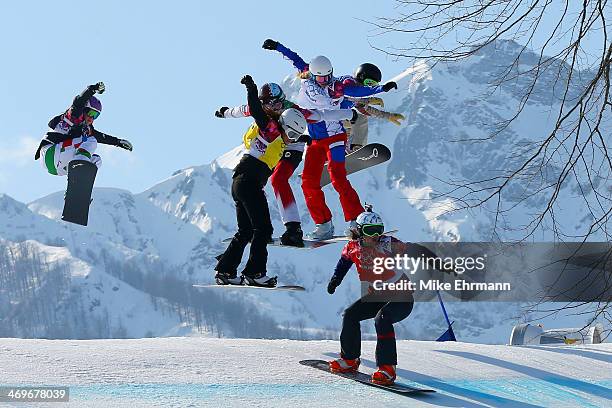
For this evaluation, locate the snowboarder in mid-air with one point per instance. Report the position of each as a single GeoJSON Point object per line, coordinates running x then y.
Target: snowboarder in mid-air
{"type": "Point", "coordinates": [369, 243]}
{"type": "Point", "coordinates": [265, 142]}
{"type": "Point", "coordinates": [69, 149]}
{"type": "Point", "coordinates": [274, 102]}
{"type": "Point", "coordinates": [273, 97]}
{"type": "Point", "coordinates": [357, 131]}
{"type": "Point", "coordinates": [72, 135]}
{"type": "Point", "coordinates": [321, 90]}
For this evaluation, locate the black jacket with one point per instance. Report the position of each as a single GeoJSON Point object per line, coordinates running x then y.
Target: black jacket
{"type": "Point", "coordinates": [76, 110]}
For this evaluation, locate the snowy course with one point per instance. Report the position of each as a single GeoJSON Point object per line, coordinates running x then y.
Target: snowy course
{"type": "Point", "coordinates": [182, 372]}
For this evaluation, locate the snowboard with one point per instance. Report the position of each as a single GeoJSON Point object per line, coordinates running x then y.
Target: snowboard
{"type": "Point", "coordinates": [342, 238]}
{"type": "Point", "coordinates": [296, 288]}
{"type": "Point", "coordinates": [364, 378]}
{"type": "Point", "coordinates": [367, 156]}
{"type": "Point", "coordinates": [309, 244]}
{"type": "Point", "coordinates": [81, 177]}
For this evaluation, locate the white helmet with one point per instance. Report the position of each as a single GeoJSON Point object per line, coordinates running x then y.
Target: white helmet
{"type": "Point", "coordinates": [370, 218]}
{"type": "Point", "coordinates": [294, 123]}
{"type": "Point", "coordinates": [320, 66]}
{"type": "Point", "coordinates": [372, 221]}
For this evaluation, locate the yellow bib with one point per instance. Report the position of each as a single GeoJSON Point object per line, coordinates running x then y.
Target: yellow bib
{"type": "Point", "coordinates": [268, 152]}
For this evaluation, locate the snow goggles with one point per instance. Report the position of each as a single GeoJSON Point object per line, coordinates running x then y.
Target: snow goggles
{"type": "Point", "coordinates": [92, 113]}
{"type": "Point", "coordinates": [372, 230]}
{"type": "Point", "coordinates": [370, 82]}
{"type": "Point", "coordinates": [322, 79]}
{"type": "Point", "coordinates": [275, 104]}
{"type": "Point", "coordinates": [292, 134]}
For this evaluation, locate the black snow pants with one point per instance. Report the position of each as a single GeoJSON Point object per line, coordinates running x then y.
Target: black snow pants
{"type": "Point", "coordinates": [253, 216]}
{"type": "Point", "coordinates": [384, 314]}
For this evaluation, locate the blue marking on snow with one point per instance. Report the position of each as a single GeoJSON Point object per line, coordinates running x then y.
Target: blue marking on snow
{"type": "Point", "coordinates": [519, 392]}
{"type": "Point", "coordinates": [538, 392]}
{"type": "Point", "coordinates": [198, 391]}
{"type": "Point", "coordinates": [197, 395]}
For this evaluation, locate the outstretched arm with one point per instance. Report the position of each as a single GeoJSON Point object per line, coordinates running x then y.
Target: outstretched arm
{"type": "Point", "coordinates": [111, 140]}
{"type": "Point", "coordinates": [328, 115]}
{"type": "Point", "coordinates": [79, 102]}
{"type": "Point", "coordinates": [352, 88]}
{"type": "Point", "coordinates": [253, 102]}
{"type": "Point", "coordinates": [361, 90]}
{"type": "Point", "coordinates": [105, 139]}
{"type": "Point", "coordinates": [377, 113]}
{"type": "Point", "coordinates": [241, 111]}
{"type": "Point", "coordinates": [370, 100]}
{"type": "Point", "coordinates": [342, 267]}
{"type": "Point", "coordinates": [298, 62]}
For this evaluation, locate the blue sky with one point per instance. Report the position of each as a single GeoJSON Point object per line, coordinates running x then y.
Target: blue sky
{"type": "Point", "coordinates": [167, 67]}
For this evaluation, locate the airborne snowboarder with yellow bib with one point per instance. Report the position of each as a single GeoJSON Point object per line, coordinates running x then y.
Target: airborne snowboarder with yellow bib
{"type": "Point", "coordinates": [264, 141]}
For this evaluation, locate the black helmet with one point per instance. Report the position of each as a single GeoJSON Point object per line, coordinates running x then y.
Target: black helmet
{"type": "Point", "coordinates": [367, 71]}
{"type": "Point", "coordinates": [271, 93]}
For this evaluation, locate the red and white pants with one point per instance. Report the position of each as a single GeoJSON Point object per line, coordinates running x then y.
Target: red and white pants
{"type": "Point", "coordinates": [332, 150]}
{"type": "Point", "coordinates": [282, 189]}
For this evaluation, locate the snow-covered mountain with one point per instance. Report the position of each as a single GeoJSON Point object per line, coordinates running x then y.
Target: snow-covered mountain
{"type": "Point", "coordinates": [141, 251]}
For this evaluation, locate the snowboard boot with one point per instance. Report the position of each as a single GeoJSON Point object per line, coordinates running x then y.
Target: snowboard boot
{"type": "Point", "coordinates": [321, 232]}
{"type": "Point", "coordinates": [223, 278]}
{"type": "Point", "coordinates": [293, 236]}
{"type": "Point", "coordinates": [260, 280]}
{"type": "Point", "coordinates": [342, 365]}
{"type": "Point", "coordinates": [385, 375]}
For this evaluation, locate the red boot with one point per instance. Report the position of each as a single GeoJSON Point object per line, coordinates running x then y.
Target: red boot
{"type": "Point", "coordinates": [343, 365]}
{"type": "Point", "coordinates": [385, 375]}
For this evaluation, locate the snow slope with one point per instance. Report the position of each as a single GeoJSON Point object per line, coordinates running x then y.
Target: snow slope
{"type": "Point", "coordinates": [181, 372]}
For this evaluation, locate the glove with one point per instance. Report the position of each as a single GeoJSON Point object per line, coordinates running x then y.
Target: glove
{"type": "Point", "coordinates": [42, 144]}
{"type": "Point", "coordinates": [247, 80]}
{"type": "Point", "coordinates": [389, 86]}
{"type": "Point", "coordinates": [221, 112]}
{"type": "Point", "coordinates": [304, 139]}
{"type": "Point", "coordinates": [332, 285]}
{"type": "Point", "coordinates": [270, 44]}
{"type": "Point", "coordinates": [124, 144]}
{"type": "Point", "coordinates": [99, 87]}
{"type": "Point", "coordinates": [396, 118]}
{"type": "Point", "coordinates": [355, 116]}
{"type": "Point", "coordinates": [376, 101]}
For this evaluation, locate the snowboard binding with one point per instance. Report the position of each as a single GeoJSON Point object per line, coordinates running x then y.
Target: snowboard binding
{"type": "Point", "coordinates": [262, 281]}
{"type": "Point", "coordinates": [227, 279]}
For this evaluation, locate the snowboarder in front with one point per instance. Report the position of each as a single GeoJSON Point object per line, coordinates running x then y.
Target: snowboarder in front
{"type": "Point", "coordinates": [265, 142]}
{"type": "Point", "coordinates": [368, 244]}
{"type": "Point", "coordinates": [72, 135]}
